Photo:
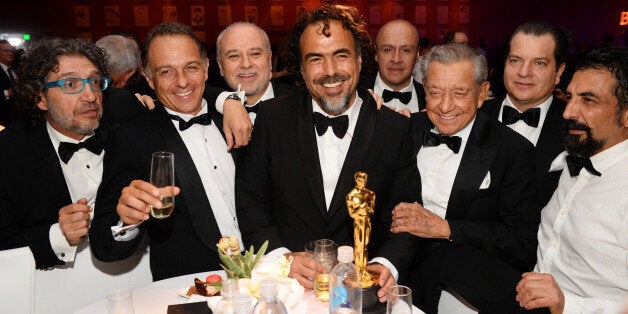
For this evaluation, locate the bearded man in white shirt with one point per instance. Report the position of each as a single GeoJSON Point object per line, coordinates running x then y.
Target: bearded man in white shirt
{"type": "Point", "coordinates": [583, 243]}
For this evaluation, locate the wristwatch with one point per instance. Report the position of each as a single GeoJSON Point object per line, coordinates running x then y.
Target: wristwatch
{"type": "Point", "coordinates": [234, 96]}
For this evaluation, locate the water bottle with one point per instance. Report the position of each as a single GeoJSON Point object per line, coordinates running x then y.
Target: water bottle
{"type": "Point", "coordinates": [229, 289]}
{"type": "Point", "coordinates": [344, 284]}
{"type": "Point", "coordinates": [242, 304]}
{"type": "Point", "coordinates": [268, 303]}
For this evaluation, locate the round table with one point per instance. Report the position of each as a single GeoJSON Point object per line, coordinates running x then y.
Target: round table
{"type": "Point", "coordinates": [156, 296]}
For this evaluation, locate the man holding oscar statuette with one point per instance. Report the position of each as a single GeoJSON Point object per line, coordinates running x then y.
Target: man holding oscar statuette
{"type": "Point", "coordinates": [305, 151]}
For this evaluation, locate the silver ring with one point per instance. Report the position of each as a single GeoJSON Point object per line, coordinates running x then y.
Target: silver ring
{"type": "Point", "coordinates": [398, 222]}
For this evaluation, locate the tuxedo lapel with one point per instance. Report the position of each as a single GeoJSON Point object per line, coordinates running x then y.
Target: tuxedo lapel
{"type": "Point", "coordinates": [308, 153]}
{"type": "Point", "coordinates": [552, 138]}
{"type": "Point", "coordinates": [358, 150]}
{"type": "Point", "coordinates": [188, 179]}
{"type": "Point", "coordinates": [420, 94]}
{"type": "Point", "coordinates": [477, 158]}
{"type": "Point", "coordinates": [50, 176]}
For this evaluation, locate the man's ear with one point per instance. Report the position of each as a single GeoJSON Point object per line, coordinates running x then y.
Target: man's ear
{"type": "Point", "coordinates": [43, 102]}
{"type": "Point", "coordinates": [148, 79]}
{"type": "Point", "coordinates": [559, 72]}
{"type": "Point", "coordinates": [483, 93]}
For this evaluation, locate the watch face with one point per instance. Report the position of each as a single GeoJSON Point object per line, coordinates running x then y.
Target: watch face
{"type": "Point", "coordinates": [234, 96]}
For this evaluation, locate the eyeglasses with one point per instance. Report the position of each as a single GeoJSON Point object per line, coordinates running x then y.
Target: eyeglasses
{"type": "Point", "coordinates": [76, 85]}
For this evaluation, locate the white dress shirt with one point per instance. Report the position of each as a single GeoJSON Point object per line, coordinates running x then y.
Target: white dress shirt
{"type": "Point", "coordinates": [413, 105]}
{"type": "Point", "coordinates": [529, 132]}
{"type": "Point", "coordinates": [438, 166]}
{"type": "Point", "coordinates": [82, 174]}
{"type": "Point", "coordinates": [216, 168]}
{"type": "Point", "coordinates": [583, 235]}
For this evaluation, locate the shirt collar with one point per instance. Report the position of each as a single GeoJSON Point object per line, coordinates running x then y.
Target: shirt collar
{"type": "Point", "coordinates": [186, 116]}
{"type": "Point", "coordinates": [464, 133]}
{"type": "Point", "coordinates": [56, 137]}
{"type": "Point", "coordinates": [381, 85]}
{"type": "Point", "coordinates": [544, 106]}
{"type": "Point", "coordinates": [352, 113]}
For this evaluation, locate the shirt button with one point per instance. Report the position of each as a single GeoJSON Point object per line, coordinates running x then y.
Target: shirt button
{"type": "Point", "coordinates": [563, 213]}
{"type": "Point", "coordinates": [554, 244]}
{"type": "Point", "coordinates": [87, 166]}
{"type": "Point", "coordinates": [62, 254]}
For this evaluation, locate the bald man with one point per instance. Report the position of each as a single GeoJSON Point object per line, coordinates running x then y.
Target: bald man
{"type": "Point", "coordinates": [397, 52]}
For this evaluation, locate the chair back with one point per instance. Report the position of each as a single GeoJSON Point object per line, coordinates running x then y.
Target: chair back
{"type": "Point", "coordinates": [17, 273]}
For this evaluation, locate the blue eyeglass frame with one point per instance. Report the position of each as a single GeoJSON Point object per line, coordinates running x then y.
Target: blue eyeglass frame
{"type": "Point", "coordinates": [88, 81]}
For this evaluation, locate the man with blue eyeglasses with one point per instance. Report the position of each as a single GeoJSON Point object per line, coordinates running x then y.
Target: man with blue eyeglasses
{"type": "Point", "coordinates": [51, 163]}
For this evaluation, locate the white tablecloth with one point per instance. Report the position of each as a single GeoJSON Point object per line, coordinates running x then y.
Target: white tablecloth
{"type": "Point", "coordinates": [155, 297]}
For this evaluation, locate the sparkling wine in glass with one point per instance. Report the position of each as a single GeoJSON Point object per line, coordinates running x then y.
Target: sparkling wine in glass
{"type": "Point", "coordinates": [162, 177]}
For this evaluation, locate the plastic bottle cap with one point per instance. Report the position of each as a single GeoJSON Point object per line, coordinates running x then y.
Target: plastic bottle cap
{"type": "Point", "coordinates": [268, 288]}
{"type": "Point", "coordinates": [345, 254]}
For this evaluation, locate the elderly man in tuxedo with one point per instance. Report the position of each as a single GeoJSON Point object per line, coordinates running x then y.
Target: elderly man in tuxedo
{"type": "Point", "coordinates": [534, 65]}
{"type": "Point", "coordinates": [583, 244]}
{"type": "Point", "coordinates": [397, 52]}
{"type": "Point", "coordinates": [479, 219]}
{"type": "Point", "coordinates": [297, 171]}
{"type": "Point", "coordinates": [175, 65]}
{"type": "Point", "coordinates": [51, 165]}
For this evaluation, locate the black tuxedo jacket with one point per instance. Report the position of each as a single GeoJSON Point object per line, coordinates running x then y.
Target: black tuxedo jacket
{"type": "Point", "coordinates": [185, 242]}
{"type": "Point", "coordinates": [369, 83]}
{"type": "Point", "coordinates": [279, 190]}
{"type": "Point", "coordinates": [33, 188]}
{"type": "Point", "coordinates": [550, 144]}
{"type": "Point", "coordinates": [502, 219]}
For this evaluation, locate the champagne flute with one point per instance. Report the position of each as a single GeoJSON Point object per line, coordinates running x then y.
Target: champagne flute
{"type": "Point", "coordinates": [162, 177]}
{"type": "Point", "coordinates": [399, 300]}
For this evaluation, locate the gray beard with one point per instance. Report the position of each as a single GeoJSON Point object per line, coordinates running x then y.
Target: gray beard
{"type": "Point", "coordinates": [335, 108]}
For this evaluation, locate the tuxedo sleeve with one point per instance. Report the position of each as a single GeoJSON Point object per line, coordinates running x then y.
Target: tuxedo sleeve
{"type": "Point", "coordinates": [398, 248]}
{"type": "Point", "coordinates": [254, 190]}
{"type": "Point", "coordinates": [121, 167]}
{"type": "Point", "coordinates": [512, 234]}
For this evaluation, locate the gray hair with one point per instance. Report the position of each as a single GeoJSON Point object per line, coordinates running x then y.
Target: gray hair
{"type": "Point", "coordinates": [124, 54]}
{"type": "Point", "coordinates": [454, 53]}
{"type": "Point", "coordinates": [241, 24]}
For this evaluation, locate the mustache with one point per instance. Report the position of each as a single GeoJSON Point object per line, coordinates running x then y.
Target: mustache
{"type": "Point", "coordinates": [573, 124]}
{"type": "Point", "coordinates": [332, 79]}
{"type": "Point", "coordinates": [86, 106]}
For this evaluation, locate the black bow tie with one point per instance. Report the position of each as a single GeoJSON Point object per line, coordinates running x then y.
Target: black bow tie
{"type": "Point", "coordinates": [93, 144]}
{"type": "Point", "coordinates": [338, 124]}
{"type": "Point", "coordinates": [531, 117]}
{"type": "Point", "coordinates": [252, 109]}
{"type": "Point", "coordinates": [203, 119]}
{"type": "Point", "coordinates": [576, 163]}
{"type": "Point", "coordinates": [404, 97]}
{"type": "Point", "coordinates": [433, 139]}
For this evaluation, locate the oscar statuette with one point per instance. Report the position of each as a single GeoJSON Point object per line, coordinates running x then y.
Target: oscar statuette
{"type": "Point", "coordinates": [361, 206]}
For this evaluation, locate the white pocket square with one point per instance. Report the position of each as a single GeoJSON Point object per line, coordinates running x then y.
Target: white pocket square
{"type": "Point", "coordinates": [486, 182]}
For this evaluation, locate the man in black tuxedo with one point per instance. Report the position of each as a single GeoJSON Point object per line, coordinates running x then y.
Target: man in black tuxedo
{"type": "Point", "coordinates": [533, 66]}
{"type": "Point", "coordinates": [297, 173]}
{"type": "Point", "coordinates": [397, 51]}
{"type": "Point", "coordinates": [7, 78]}
{"type": "Point", "coordinates": [479, 219]}
{"type": "Point", "coordinates": [175, 66]}
{"type": "Point", "coordinates": [51, 165]}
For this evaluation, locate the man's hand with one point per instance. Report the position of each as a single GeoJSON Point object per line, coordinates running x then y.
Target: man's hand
{"type": "Point", "coordinates": [134, 202]}
{"type": "Point", "coordinates": [237, 124]}
{"type": "Point", "coordinates": [74, 221]}
{"type": "Point", "coordinates": [303, 269]}
{"type": "Point", "coordinates": [540, 290]}
{"type": "Point", "coordinates": [146, 101]}
{"type": "Point", "coordinates": [385, 281]}
{"type": "Point", "coordinates": [415, 219]}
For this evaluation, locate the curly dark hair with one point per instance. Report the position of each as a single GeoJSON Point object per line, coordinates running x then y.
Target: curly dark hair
{"type": "Point", "coordinates": [169, 29]}
{"type": "Point", "coordinates": [614, 60]}
{"type": "Point", "coordinates": [350, 19]}
{"type": "Point", "coordinates": [41, 58]}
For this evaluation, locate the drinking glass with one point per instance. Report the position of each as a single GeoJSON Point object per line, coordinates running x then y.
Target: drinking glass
{"type": "Point", "coordinates": [325, 255]}
{"type": "Point", "coordinates": [162, 177]}
{"type": "Point", "coordinates": [120, 302]}
{"type": "Point", "coordinates": [399, 300]}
